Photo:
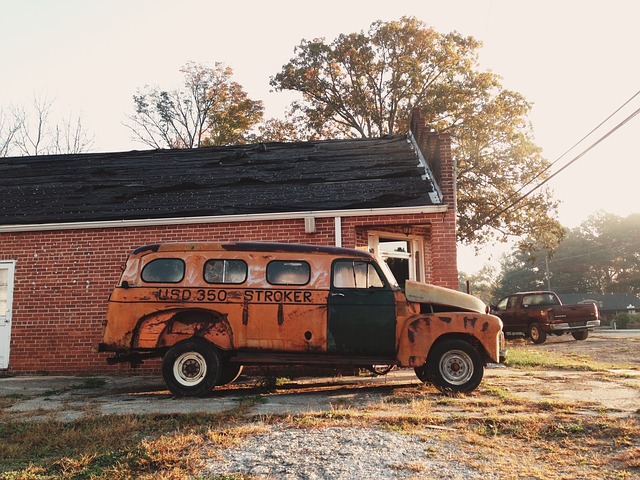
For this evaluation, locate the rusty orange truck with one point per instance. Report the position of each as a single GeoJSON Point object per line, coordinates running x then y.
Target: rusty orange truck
{"type": "Point", "coordinates": [208, 309]}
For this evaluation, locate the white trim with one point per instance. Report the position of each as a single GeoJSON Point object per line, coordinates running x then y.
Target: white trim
{"type": "Point", "coordinates": [416, 245]}
{"type": "Point", "coordinates": [5, 320]}
{"type": "Point", "coordinates": [337, 222]}
{"type": "Point", "coordinates": [437, 195]}
{"type": "Point", "coordinates": [223, 218]}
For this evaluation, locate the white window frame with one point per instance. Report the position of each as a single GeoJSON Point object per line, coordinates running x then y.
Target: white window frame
{"type": "Point", "coordinates": [416, 244]}
{"type": "Point", "coordinates": [5, 320]}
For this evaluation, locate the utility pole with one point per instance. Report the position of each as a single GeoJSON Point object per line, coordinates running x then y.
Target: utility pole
{"type": "Point", "coordinates": [547, 274]}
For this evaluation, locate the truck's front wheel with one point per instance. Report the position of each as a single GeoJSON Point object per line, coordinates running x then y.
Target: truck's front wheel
{"type": "Point", "coordinates": [191, 368]}
{"type": "Point", "coordinates": [453, 366]}
{"type": "Point", "coordinates": [537, 334]}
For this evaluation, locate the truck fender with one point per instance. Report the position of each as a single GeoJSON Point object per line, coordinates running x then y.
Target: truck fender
{"type": "Point", "coordinates": [421, 331]}
{"type": "Point", "coordinates": [167, 327]}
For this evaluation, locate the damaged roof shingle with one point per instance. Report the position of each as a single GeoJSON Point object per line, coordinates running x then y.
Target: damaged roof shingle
{"type": "Point", "coordinates": [245, 179]}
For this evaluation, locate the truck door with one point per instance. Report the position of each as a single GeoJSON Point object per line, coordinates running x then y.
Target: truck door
{"type": "Point", "coordinates": [508, 313]}
{"type": "Point", "coordinates": [361, 309]}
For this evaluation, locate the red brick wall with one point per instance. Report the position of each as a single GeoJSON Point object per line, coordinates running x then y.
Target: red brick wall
{"type": "Point", "coordinates": [63, 278]}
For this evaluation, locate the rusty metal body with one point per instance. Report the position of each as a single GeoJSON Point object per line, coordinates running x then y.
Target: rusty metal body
{"type": "Point", "coordinates": [282, 303]}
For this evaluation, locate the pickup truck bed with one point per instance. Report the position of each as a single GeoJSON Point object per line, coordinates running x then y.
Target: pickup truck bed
{"type": "Point", "coordinates": [538, 314]}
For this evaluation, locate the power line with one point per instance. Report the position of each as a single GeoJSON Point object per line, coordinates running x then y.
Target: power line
{"type": "Point", "coordinates": [537, 175]}
{"type": "Point", "coordinates": [576, 158]}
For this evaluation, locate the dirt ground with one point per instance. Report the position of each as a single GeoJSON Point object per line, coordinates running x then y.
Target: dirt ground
{"type": "Point", "coordinates": [615, 391]}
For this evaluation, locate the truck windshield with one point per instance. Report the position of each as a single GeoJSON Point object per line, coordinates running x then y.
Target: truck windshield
{"type": "Point", "coordinates": [387, 273]}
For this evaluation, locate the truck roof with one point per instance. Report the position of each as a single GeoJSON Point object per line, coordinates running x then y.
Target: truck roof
{"type": "Point", "coordinates": [250, 247]}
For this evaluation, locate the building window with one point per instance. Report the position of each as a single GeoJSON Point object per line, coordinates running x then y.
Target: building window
{"type": "Point", "coordinates": [288, 273]}
{"type": "Point", "coordinates": [163, 270]}
{"type": "Point", "coordinates": [401, 253]}
{"type": "Point", "coordinates": [225, 271]}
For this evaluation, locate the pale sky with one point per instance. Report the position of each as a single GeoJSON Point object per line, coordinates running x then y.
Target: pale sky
{"type": "Point", "coordinates": [577, 61]}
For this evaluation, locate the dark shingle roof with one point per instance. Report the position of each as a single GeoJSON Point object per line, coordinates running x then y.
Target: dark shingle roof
{"type": "Point", "coordinates": [246, 179]}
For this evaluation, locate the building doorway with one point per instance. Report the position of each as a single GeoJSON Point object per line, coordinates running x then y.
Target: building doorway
{"type": "Point", "coordinates": [6, 300]}
{"type": "Point", "coordinates": [402, 253]}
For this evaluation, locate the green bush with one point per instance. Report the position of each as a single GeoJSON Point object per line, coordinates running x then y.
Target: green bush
{"type": "Point", "coordinates": [627, 320]}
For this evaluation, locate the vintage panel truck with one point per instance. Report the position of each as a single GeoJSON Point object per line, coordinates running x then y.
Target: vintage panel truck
{"type": "Point", "coordinates": [208, 309]}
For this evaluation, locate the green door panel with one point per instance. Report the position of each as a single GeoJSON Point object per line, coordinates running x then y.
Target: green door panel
{"type": "Point", "coordinates": [362, 320]}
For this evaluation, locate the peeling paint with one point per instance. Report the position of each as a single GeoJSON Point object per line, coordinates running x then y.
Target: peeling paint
{"type": "Point", "coordinates": [470, 322]}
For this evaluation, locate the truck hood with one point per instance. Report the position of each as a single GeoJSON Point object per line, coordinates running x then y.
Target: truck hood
{"type": "Point", "coordinates": [427, 293]}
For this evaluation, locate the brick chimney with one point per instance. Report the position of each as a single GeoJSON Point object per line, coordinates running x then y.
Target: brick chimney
{"type": "Point", "coordinates": [436, 150]}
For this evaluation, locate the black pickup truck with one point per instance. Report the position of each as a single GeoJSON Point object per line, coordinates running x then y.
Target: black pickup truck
{"type": "Point", "coordinates": [537, 314]}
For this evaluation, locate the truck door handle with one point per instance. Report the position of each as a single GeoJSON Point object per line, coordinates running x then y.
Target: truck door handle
{"type": "Point", "coordinates": [337, 294]}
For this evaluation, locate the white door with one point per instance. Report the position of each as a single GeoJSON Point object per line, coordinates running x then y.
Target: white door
{"type": "Point", "coordinates": [6, 299]}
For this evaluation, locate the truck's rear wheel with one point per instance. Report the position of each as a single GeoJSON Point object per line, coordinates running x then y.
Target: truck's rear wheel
{"type": "Point", "coordinates": [453, 366]}
{"type": "Point", "coordinates": [537, 334]}
{"type": "Point", "coordinates": [191, 368]}
{"type": "Point", "coordinates": [580, 334]}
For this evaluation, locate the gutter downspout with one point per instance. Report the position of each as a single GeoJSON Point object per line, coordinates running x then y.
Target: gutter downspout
{"type": "Point", "coordinates": [338, 230]}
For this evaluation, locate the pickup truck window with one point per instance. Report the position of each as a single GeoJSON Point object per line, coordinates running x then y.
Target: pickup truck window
{"type": "Point", "coordinates": [355, 274]}
{"type": "Point", "coordinates": [163, 270]}
{"type": "Point", "coordinates": [225, 271]}
{"type": "Point", "coordinates": [539, 300]}
{"type": "Point", "coordinates": [288, 273]}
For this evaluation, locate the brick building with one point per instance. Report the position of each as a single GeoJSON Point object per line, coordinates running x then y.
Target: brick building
{"type": "Point", "coordinates": [67, 223]}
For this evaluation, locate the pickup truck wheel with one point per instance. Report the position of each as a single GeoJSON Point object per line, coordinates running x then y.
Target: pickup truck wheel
{"type": "Point", "coordinates": [580, 334]}
{"type": "Point", "coordinates": [229, 373]}
{"type": "Point", "coordinates": [537, 334]}
{"type": "Point", "coordinates": [454, 366]}
{"type": "Point", "coordinates": [191, 368]}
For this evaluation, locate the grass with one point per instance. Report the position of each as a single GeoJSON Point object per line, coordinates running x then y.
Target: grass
{"type": "Point", "coordinates": [118, 446]}
{"type": "Point", "coordinates": [175, 446]}
{"type": "Point", "coordinates": [495, 431]}
{"type": "Point", "coordinates": [530, 358]}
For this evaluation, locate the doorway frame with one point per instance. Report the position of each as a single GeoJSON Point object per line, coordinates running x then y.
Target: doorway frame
{"type": "Point", "coordinates": [6, 320]}
{"type": "Point", "coordinates": [416, 255]}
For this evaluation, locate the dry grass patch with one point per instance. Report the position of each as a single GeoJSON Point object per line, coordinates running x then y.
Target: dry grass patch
{"type": "Point", "coordinates": [129, 446]}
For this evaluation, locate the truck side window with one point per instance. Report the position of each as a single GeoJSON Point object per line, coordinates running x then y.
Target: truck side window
{"type": "Point", "coordinates": [355, 274]}
{"type": "Point", "coordinates": [163, 270]}
{"type": "Point", "coordinates": [281, 272]}
{"type": "Point", "coordinates": [503, 303]}
{"type": "Point", "coordinates": [225, 271]}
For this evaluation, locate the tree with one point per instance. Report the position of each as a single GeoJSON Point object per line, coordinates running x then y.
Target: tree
{"type": "Point", "coordinates": [211, 109]}
{"type": "Point", "coordinates": [481, 284]}
{"type": "Point", "coordinates": [520, 272]}
{"type": "Point", "coordinates": [31, 132]}
{"type": "Point", "coordinates": [602, 255]}
{"type": "Point", "coordinates": [8, 129]}
{"type": "Point", "coordinates": [366, 85]}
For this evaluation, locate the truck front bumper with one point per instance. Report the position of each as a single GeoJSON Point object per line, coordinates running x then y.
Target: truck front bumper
{"type": "Point", "coordinates": [567, 327]}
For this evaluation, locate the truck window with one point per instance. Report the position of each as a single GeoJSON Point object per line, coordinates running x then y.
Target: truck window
{"type": "Point", "coordinates": [502, 304]}
{"type": "Point", "coordinates": [281, 272]}
{"type": "Point", "coordinates": [355, 274]}
{"type": "Point", "coordinates": [163, 270]}
{"type": "Point", "coordinates": [225, 271]}
{"type": "Point", "coordinates": [540, 300]}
